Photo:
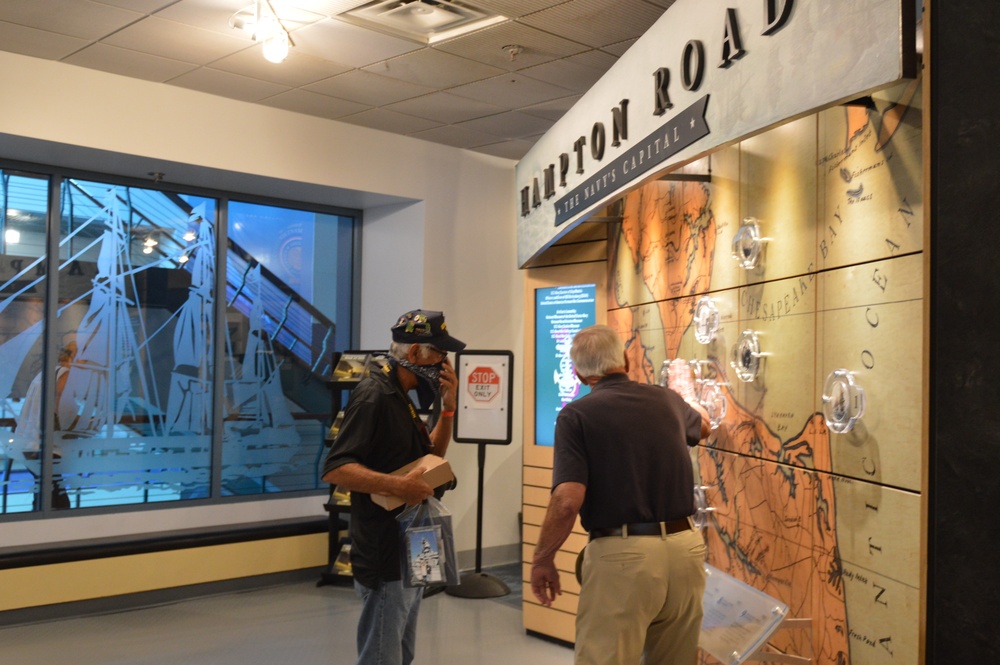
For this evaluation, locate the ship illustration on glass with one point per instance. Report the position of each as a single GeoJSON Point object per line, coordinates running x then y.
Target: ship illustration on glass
{"type": "Point", "coordinates": [114, 426]}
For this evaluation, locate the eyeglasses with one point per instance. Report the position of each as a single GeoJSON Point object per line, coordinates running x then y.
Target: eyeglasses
{"type": "Point", "coordinates": [442, 354]}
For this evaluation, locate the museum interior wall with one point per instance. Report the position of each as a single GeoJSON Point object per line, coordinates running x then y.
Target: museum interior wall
{"type": "Point", "coordinates": [440, 238]}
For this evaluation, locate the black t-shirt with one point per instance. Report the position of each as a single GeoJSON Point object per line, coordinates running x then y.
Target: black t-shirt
{"type": "Point", "coordinates": [378, 432]}
{"type": "Point", "coordinates": [628, 443]}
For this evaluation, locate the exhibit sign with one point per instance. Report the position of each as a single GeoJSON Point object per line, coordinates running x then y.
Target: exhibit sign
{"type": "Point", "coordinates": [560, 312]}
{"type": "Point", "coordinates": [484, 386]}
{"type": "Point", "coordinates": [485, 400]}
{"type": "Point", "coordinates": [704, 75]}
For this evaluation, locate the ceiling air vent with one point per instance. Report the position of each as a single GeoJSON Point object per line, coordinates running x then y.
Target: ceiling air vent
{"type": "Point", "coordinates": [426, 21]}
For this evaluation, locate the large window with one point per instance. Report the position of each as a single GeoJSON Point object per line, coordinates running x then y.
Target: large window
{"type": "Point", "coordinates": [139, 364]}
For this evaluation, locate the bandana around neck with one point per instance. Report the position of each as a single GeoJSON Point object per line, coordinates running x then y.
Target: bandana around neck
{"type": "Point", "coordinates": [428, 375]}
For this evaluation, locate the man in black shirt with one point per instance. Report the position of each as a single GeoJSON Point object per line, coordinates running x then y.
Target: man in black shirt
{"type": "Point", "coordinates": [622, 463]}
{"type": "Point", "coordinates": [382, 432]}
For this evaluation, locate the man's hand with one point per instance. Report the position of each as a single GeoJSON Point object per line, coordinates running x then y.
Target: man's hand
{"type": "Point", "coordinates": [682, 379]}
{"type": "Point", "coordinates": [412, 488]}
{"type": "Point", "coordinates": [545, 582]}
{"type": "Point", "coordinates": [449, 386]}
{"type": "Point", "coordinates": [564, 506]}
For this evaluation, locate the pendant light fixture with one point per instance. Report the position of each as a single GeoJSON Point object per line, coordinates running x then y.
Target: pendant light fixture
{"type": "Point", "coordinates": [261, 23]}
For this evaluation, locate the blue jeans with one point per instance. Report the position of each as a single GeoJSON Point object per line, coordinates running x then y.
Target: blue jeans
{"type": "Point", "coordinates": [387, 629]}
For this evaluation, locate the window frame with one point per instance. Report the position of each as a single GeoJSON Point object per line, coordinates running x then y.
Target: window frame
{"type": "Point", "coordinates": [56, 175]}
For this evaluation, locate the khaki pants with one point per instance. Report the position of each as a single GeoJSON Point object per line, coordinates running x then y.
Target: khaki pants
{"type": "Point", "coordinates": [641, 595]}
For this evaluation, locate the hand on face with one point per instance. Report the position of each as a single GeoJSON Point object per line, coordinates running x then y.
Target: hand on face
{"type": "Point", "coordinates": [449, 386]}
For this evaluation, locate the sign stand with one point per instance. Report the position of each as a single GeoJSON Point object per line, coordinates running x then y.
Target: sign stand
{"type": "Point", "coordinates": [483, 416]}
{"type": "Point", "coordinates": [767, 655]}
{"type": "Point", "coordinates": [739, 620]}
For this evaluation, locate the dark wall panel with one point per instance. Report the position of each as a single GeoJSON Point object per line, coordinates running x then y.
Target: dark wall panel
{"type": "Point", "coordinates": [964, 497]}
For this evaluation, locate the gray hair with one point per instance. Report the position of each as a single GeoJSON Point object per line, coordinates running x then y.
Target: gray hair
{"type": "Point", "coordinates": [596, 351]}
{"type": "Point", "coordinates": [399, 350]}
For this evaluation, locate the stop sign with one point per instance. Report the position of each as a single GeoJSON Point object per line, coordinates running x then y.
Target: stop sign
{"type": "Point", "coordinates": [484, 384]}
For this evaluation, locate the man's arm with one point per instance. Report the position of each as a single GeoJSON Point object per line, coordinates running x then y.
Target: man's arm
{"type": "Point", "coordinates": [706, 423]}
{"type": "Point", "coordinates": [441, 434]}
{"type": "Point", "coordinates": [564, 506]}
{"type": "Point", "coordinates": [355, 477]}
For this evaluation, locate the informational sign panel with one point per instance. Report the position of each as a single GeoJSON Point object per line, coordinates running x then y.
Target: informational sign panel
{"type": "Point", "coordinates": [560, 313]}
{"type": "Point", "coordinates": [483, 412]}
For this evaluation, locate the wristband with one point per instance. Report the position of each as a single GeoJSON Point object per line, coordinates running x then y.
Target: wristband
{"type": "Point", "coordinates": [447, 413]}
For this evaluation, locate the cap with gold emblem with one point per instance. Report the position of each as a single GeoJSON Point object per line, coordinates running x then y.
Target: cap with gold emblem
{"type": "Point", "coordinates": [425, 327]}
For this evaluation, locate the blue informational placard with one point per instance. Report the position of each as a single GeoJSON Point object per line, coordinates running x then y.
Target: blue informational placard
{"type": "Point", "coordinates": [560, 312]}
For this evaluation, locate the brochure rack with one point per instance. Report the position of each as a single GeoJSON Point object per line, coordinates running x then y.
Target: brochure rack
{"type": "Point", "coordinates": [348, 369]}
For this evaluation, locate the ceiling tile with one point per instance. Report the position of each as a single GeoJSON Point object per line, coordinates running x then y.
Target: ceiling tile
{"type": "Point", "coordinates": [511, 91]}
{"type": "Point", "coordinates": [206, 14]}
{"type": "Point", "coordinates": [169, 39]}
{"type": "Point", "coordinates": [454, 136]}
{"type": "Point", "coordinates": [310, 103]}
{"type": "Point", "coordinates": [298, 69]}
{"type": "Point", "coordinates": [433, 68]}
{"type": "Point", "coordinates": [596, 22]}
{"type": "Point", "coordinates": [227, 85]}
{"type": "Point", "coordinates": [390, 121]}
{"type": "Point", "coordinates": [215, 15]}
{"type": "Point", "coordinates": [445, 107]}
{"type": "Point", "coordinates": [334, 40]}
{"type": "Point", "coordinates": [552, 110]}
{"type": "Point", "coordinates": [510, 125]}
{"type": "Point", "coordinates": [129, 63]}
{"type": "Point", "coordinates": [517, 8]}
{"type": "Point", "coordinates": [490, 46]}
{"type": "Point", "coordinates": [330, 7]}
{"type": "Point", "coordinates": [578, 72]}
{"type": "Point", "coordinates": [38, 43]}
{"type": "Point", "coordinates": [144, 6]}
{"type": "Point", "coordinates": [618, 48]}
{"type": "Point", "coordinates": [367, 88]}
{"type": "Point", "coordinates": [75, 18]}
{"type": "Point", "coordinates": [515, 149]}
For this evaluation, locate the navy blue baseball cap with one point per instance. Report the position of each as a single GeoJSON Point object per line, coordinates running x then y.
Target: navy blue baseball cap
{"type": "Point", "coordinates": [425, 327]}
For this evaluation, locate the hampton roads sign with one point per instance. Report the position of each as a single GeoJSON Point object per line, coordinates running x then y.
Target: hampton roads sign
{"type": "Point", "coordinates": [707, 73]}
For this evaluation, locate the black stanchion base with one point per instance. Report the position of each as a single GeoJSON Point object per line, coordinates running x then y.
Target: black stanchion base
{"type": "Point", "coordinates": [432, 591]}
{"type": "Point", "coordinates": [479, 585]}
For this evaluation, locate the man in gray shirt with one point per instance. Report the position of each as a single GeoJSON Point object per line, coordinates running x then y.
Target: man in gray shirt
{"type": "Point", "coordinates": [622, 463]}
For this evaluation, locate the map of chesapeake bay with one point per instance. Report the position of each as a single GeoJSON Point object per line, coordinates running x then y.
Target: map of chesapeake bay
{"type": "Point", "coordinates": [826, 522]}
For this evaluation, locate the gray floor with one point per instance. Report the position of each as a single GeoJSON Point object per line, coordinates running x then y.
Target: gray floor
{"type": "Point", "coordinates": [297, 623]}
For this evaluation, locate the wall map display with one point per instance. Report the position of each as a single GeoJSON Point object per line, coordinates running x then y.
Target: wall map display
{"type": "Point", "coordinates": [813, 467]}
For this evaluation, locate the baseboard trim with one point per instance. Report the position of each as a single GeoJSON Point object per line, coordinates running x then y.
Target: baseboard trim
{"type": "Point", "coordinates": [491, 556]}
{"type": "Point", "coordinates": [101, 548]}
{"type": "Point", "coordinates": [134, 601]}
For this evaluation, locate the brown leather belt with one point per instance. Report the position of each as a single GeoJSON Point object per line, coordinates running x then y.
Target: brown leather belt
{"type": "Point", "coordinates": [644, 529]}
